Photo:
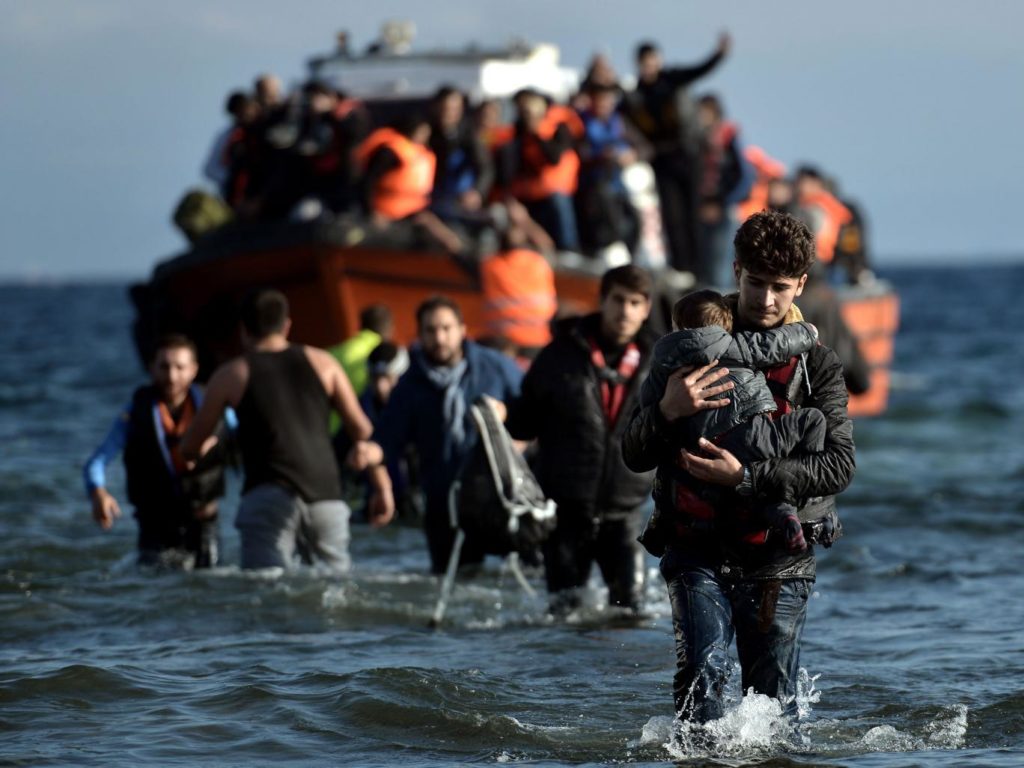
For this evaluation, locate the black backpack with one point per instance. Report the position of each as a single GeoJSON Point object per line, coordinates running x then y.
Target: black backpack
{"type": "Point", "coordinates": [496, 500]}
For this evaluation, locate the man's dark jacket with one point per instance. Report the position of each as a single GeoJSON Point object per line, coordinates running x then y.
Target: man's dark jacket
{"type": "Point", "coordinates": [580, 458]}
{"type": "Point", "coordinates": [809, 482]}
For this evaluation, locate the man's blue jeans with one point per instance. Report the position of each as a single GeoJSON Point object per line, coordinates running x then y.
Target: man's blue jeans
{"type": "Point", "coordinates": [709, 609]}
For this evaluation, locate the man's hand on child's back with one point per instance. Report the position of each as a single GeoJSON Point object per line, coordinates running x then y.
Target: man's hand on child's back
{"type": "Point", "coordinates": [690, 390]}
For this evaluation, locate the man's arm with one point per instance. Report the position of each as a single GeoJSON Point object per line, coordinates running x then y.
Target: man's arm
{"type": "Point", "coordinates": [794, 479]}
{"type": "Point", "coordinates": [680, 76]}
{"type": "Point", "coordinates": [526, 412]}
{"type": "Point", "coordinates": [223, 391]}
{"type": "Point", "coordinates": [649, 436]}
{"type": "Point", "coordinates": [764, 349]}
{"type": "Point", "coordinates": [353, 420]}
{"type": "Point", "coordinates": [105, 508]}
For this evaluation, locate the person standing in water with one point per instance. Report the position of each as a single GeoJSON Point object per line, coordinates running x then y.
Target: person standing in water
{"type": "Point", "coordinates": [724, 581]}
{"type": "Point", "coordinates": [576, 402]}
{"type": "Point", "coordinates": [284, 392]}
{"type": "Point", "coordinates": [175, 501]}
{"type": "Point", "coordinates": [429, 409]}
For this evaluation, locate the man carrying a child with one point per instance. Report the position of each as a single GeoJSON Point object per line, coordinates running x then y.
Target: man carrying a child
{"type": "Point", "coordinates": [734, 570]}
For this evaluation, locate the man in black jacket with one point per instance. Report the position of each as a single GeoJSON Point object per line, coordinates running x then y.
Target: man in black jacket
{"type": "Point", "coordinates": [730, 579]}
{"type": "Point", "coordinates": [576, 400]}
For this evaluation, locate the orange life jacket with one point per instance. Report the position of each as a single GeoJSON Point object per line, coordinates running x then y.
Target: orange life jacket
{"type": "Point", "coordinates": [540, 179]}
{"type": "Point", "coordinates": [498, 136]}
{"type": "Point", "coordinates": [766, 168]}
{"type": "Point", "coordinates": [404, 190]}
{"type": "Point", "coordinates": [834, 216]}
{"type": "Point", "coordinates": [519, 296]}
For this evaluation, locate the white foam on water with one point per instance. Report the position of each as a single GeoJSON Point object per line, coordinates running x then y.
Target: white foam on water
{"type": "Point", "coordinates": [754, 727]}
{"type": "Point", "coordinates": [949, 730]}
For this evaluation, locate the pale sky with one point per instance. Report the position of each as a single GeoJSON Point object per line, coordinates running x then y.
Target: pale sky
{"type": "Point", "coordinates": [108, 107]}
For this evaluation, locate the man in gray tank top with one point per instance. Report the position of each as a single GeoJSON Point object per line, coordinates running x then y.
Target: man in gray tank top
{"type": "Point", "coordinates": [283, 394]}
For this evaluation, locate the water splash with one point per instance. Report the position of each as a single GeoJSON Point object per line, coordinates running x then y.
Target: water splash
{"type": "Point", "coordinates": [754, 727]}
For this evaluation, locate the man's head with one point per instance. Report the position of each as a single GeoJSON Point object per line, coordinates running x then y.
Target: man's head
{"type": "Point", "coordinates": [648, 62]}
{"type": "Point", "coordinates": [268, 90]}
{"type": "Point", "coordinates": [625, 302]}
{"type": "Point", "coordinates": [698, 309]}
{"type": "Point", "coordinates": [780, 194]}
{"type": "Point", "coordinates": [449, 106]}
{"type": "Point", "coordinates": [809, 181]}
{"type": "Point", "coordinates": [774, 253]}
{"type": "Point", "coordinates": [264, 313]}
{"type": "Point", "coordinates": [531, 107]}
{"type": "Point", "coordinates": [173, 367]}
{"type": "Point", "coordinates": [603, 100]}
{"type": "Point", "coordinates": [487, 114]}
{"type": "Point", "coordinates": [441, 330]}
{"type": "Point", "coordinates": [709, 111]}
{"type": "Point", "coordinates": [378, 318]}
{"type": "Point", "coordinates": [386, 364]}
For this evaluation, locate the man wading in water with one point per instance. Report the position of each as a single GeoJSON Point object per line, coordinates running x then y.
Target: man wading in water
{"type": "Point", "coordinates": [283, 393]}
{"type": "Point", "coordinates": [730, 579]}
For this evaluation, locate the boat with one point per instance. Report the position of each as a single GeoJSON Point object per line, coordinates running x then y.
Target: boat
{"type": "Point", "coordinates": [332, 268]}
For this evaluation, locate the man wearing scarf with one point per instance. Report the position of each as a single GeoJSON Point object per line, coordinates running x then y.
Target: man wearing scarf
{"type": "Point", "coordinates": [429, 409]}
{"type": "Point", "coordinates": [577, 398]}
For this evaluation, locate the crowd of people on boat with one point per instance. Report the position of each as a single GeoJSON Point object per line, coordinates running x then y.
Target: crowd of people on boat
{"type": "Point", "coordinates": [445, 171]}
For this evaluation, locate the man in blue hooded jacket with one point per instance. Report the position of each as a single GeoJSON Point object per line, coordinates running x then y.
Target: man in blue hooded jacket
{"type": "Point", "coordinates": [430, 408]}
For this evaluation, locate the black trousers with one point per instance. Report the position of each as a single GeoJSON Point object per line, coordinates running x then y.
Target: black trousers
{"type": "Point", "coordinates": [583, 537]}
{"type": "Point", "coordinates": [169, 536]}
{"type": "Point", "coordinates": [675, 177]}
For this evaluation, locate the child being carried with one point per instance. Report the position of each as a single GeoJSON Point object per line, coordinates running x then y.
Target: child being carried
{"type": "Point", "coordinates": [748, 427]}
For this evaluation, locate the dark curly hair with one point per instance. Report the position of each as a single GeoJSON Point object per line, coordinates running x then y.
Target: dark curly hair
{"type": "Point", "coordinates": [775, 243]}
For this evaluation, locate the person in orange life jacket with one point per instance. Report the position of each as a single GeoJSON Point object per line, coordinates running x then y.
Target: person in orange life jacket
{"type": "Point", "coordinates": [725, 180]}
{"type": "Point", "coordinates": [539, 166]}
{"type": "Point", "coordinates": [851, 252]}
{"type": "Point", "coordinates": [825, 215]}
{"type": "Point", "coordinates": [283, 393]}
{"type": "Point", "coordinates": [724, 585]}
{"type": "Point", "coordinates": [766, 169]}
{"type": "Point", "coordinates": [519, 293]}
{"type": "Point", "coordinates": [602, 203]}
{"type": "Point", "coordinates": [429, 409]}
{"type": "Point", "coordinates": [465, 169]}
{"type": "Point", "coordinates": [576, 401]}
{"type": "Point", "coordinates": [749, 426]}
{"type": "Point", "coordinates": [398, 177]}
{"type": "Point", "coordinates": [660, 109]}
{"type": "Point", "coordinates": [175, 501]}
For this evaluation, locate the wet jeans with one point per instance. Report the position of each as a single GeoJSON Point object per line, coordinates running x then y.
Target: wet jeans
{"type": "Point", "coordinates": [709, 609]}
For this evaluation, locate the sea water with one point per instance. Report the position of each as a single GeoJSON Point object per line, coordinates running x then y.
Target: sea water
{"type": "Point", "coordinates": [913, 651]}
